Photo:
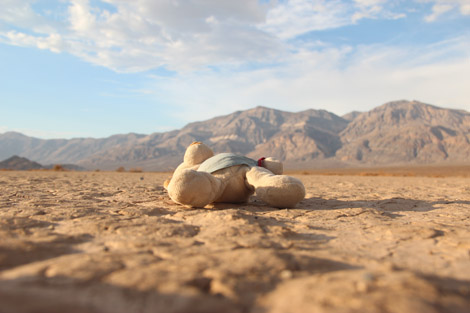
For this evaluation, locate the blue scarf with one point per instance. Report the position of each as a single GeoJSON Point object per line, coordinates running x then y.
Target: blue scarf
{"type": "Point", "coordinates": [224, 160]}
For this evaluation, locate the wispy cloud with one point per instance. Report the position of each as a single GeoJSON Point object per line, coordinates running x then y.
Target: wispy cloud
{"type": "Point", "coordinates": [292, 18]}
{"type": "Point", "coordinates": [310, 79]}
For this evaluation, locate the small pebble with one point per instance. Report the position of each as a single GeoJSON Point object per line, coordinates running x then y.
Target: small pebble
{"type": "Point", "coordinates": [286, 274]}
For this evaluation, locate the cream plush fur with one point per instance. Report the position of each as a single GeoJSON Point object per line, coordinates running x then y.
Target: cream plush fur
{"type": "Point", "coordinates": [234, 184]}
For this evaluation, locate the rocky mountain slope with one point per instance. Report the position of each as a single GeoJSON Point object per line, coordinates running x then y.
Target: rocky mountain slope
{"type": "Point", "coordinates": [407, 132]}
{"type": "Point", "coordinates": [394, 133]}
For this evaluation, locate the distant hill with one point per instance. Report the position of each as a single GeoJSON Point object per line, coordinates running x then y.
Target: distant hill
{"type": "Point", "coordinates": [18, 163]}
{"type": "Point", "coordinates": [395, 133]}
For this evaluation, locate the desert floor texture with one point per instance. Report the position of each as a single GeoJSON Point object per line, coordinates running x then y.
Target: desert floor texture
{"type": "Point", "coordinates": [114, 242]}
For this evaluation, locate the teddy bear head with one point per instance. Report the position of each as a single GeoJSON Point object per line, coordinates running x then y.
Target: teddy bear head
{"type": "Point", "coordinates": [197, 153]}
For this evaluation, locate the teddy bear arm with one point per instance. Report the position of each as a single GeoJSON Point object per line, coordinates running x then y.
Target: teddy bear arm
{"type": "Point", "coordinates": [194, 189]}
{"type": "Point", "coordinates": [280, 191]}
{"type": "Point", "coordinates": [183, 166]}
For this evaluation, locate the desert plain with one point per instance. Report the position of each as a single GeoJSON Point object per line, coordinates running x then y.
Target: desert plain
{"type": "Point", "coordinates": [114, 242]}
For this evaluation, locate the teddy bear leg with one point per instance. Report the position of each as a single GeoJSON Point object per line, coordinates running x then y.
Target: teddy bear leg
{"type": "Point", "coordinates": [194, 189]}
{"type": "Point", "coordinates": [280, 191]}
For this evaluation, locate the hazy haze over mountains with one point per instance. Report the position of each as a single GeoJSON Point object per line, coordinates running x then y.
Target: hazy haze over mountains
{"type": "Point", "coordinates": [394, 133]}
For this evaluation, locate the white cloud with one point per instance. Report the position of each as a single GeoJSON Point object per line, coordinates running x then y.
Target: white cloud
{"type": "Point", "coordinates": [146, 34]}
{"type": "Point", "coordinates": [186, 35]}
{"type": "Point", "coordinates": [296, 17]}
{"type": "Point", "coordinates": [180, 35]}
{"type": "Point", "coordinates": [465, 9]}
{"type": "Point", "coordinates": [442, 6]}
{"type": "Point", "coordinates": [19, 12]}
{"type": "Point", "coordinates": [81, 18]}
{"type": "Point", "coordinates": [292, 18]}
{"type": "Point", "coordinates": [367, 9]}
{"type": "Point", "coordinates": [437, 10]}
{"type": "Point", "coordinates": [52, 42]}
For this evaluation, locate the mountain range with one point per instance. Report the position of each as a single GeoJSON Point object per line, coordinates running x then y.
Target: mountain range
{"type": "Point", "coordinates": [399, 132]}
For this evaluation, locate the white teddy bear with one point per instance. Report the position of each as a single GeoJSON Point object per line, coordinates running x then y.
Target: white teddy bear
{"type": "Point", "coordinates": [204, 178]}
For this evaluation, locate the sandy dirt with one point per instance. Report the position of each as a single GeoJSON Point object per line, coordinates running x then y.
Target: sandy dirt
{"type": "Point", "coordinates": [114, 242]}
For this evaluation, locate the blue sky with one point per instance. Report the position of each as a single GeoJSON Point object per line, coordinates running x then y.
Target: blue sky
{"type": "Point", "coordinates": [79, 68]}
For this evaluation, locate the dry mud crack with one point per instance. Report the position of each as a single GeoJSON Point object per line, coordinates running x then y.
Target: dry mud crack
{"type": "Point", "coordinates": [115, 242]}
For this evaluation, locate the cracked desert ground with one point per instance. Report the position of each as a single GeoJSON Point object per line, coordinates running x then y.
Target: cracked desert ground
{"type": "Point", "coordinates": [114, 242]}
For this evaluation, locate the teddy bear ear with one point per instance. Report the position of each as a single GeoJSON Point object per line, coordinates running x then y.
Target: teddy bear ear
{"type": "Point", "coordinates": [196, 153]}
{"type": "Point", "coordinates": [274, 165]}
